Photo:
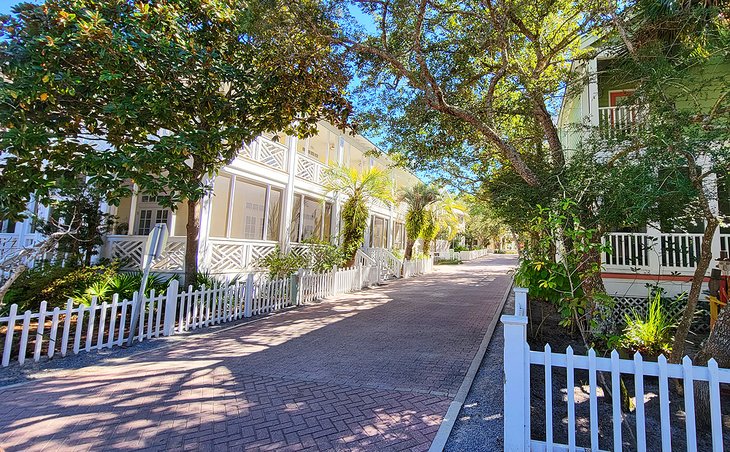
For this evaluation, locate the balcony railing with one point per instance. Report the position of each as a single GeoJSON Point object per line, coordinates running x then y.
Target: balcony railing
{"type": "Point", "coordinates": [265, 151]}
{"type": "Point", "coordinates": [310, 169]}
{"type": "Point", "coordinates": [616, 122]}
{"type": "Point", "coordinates": [656, 253]}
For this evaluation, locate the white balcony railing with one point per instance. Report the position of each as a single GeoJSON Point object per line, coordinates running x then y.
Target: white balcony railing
{"type": "Point", "coordinates": [656, 253]}
{"type": "Point", "coordinates": [265, 151]}
{"type": "Point", "coordinates": [615, 122]}
{"type": "Point", "coordinates": [310, 169]}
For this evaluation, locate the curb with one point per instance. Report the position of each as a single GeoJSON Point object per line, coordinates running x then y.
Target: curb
{"type": "Point", "coordinates": [442, 435]}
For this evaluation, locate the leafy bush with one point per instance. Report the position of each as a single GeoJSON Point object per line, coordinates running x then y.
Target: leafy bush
{"type": "Point", "coordinates": [650, 335]}
{"type": "Point", "coordinates": [546, 280]}
{"type": "Point", "coordinates": [324, 256]}
{"type": "Point", "coordinates": [448, 262]}
{"type": "Point", "coordinates": [55, 284]}
{"type": "Point", "coordinates": [280, 265]}
{"type": "Point", "coordinates": [459, 248]}
{"type": "Point", "coordinates": [207, 279]}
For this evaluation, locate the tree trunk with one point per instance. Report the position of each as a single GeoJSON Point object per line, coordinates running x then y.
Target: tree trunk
{"type": "Point", "coordinates": [680, 337]}
{"type": "Point", "coordinates": [192, 242]}
{"type": "Point", "coordinates": [17, 271]}
{"type": "Point", "coordinates": [409, 248]}
{"type": "Point", "coordinates": [716, 346]}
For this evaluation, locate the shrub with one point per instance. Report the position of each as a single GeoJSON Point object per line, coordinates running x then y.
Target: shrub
{"type": "Point", "coordinates": [448, 262]}
{"type": "Point", "coordinates": [280, 265]}
{"type": "Point", "coordinates": [55, 284]}
{"type": "Point", "coordinates": [324, 256]}
{"type": "Point", "coordinates": [650, 335]}
{"type": "Point", "coordinates": [207, 279]}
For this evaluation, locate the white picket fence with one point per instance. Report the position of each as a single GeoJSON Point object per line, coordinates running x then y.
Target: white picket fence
{"type": "Point", "coordinates": [462, 255]}
{"type": "Point", "coordinates": [517, 420]}
{"type": "Point", "coordinates": [315, 286]}
{"type": "Point", "coordinates": [33, 335]}
{"type": "Point", "coordinates": [417, 267]}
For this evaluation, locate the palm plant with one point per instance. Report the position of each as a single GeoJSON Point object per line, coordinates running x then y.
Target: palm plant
{"type": "Point", "coordinates": [360, 189]}
{"type": "Point", "coordinates": [418, 198]}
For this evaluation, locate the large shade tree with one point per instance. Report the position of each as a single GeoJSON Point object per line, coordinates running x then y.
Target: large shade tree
{"type": "Point", "coordinates": [161, 93]}
{"type": "Point", "coordinates": [470, 86]}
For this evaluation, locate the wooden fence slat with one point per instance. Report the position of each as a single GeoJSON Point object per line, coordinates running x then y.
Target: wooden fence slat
{"type": "Point", "coordinates": [102, 325]}
{"type": "Point", "coordinates": [150, 313]}
{"type": "Point", "coordinates": [639, 393]}
{"type": "Point", "coordinates": [593, 398]}
{"type": "Point", "coordinates": [79, 328]}
{"type": "Point", "coordinates": [715, 411]}
{"type": "Point", "coordinates": [689, 405]}
{"type": "Point", "coordinates": [664, 404]}
{"type": "Point", "coordinates": [90, 326]}
{"type": "Point", "coordinates": [39, 331]}
{"type": "Point", "coordinates": [548, 398]}
{"type": "Point", "coordinates": [54, 332]}
{"type": "Point", "coordinates": [158, 315]}
{"type": "Point", "coordinates": [67, 314]}
{"type": "Point", "coordinates": [113, 321]}
{"type": "Point", "coordinates": [7, 348]}
{"type": "Point", "coordinates": [571, 399]}
{"type": "Point", "coordinates": [122, 322]}
{"type": "Point", "coordinates": [24, 337]}
{"type": "Point", "coordinates": [616, 401]}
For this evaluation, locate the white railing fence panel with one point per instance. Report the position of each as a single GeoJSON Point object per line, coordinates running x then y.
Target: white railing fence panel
{"type": "Point", "coordinates": [518, 359]}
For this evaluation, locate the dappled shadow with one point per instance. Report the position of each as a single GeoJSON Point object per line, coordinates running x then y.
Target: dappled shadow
{"type": "Point", "coordinates": [371, 370]}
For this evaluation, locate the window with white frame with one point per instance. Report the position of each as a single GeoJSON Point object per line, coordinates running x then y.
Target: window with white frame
{"type": "Point", "coordinates": [149, 213]}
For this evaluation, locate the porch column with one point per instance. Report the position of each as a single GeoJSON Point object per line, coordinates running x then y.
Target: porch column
{"type": "Point", "coordinates": [655, 249]}
{"type": "Point", "coordinates": [391, 226]}
{"type": "Point", "coordinates": [133, 209]}
{"type": "Point", "coordinates": [710, 185]}
{"type": "Point", "coordinates": [593, 91]}
{"type": "Point", "coordinates": [336, 206]}
{"type": "Point", "coordinates": [288, 204]}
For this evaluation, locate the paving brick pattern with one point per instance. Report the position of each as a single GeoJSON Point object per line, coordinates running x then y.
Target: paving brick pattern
{"type": "Point", "coordinates": [369, 371]}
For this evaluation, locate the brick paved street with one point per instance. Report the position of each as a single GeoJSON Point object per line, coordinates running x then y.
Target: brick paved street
{"type": "Point", "coordinates": [374, 370]}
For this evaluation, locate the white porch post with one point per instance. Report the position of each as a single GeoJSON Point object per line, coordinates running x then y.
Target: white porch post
{"type": "Point", "coordinates": [391, 226]}
{"type": "Point", "coordinates": [710, 186]}
{"type": "Point", "coordinates": [288, 204]}
{"type": "Point", "coordinates": [593, 91]}
{"type": "Point", "coordinates": [655, 249]}
{"type": "Point", "coordinates": [133, 209]}
{"type": "Point", "coordinates": [516, 382]}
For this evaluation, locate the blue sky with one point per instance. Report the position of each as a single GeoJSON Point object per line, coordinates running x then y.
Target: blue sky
{"type": "Point", "coordinates": [5, 5]}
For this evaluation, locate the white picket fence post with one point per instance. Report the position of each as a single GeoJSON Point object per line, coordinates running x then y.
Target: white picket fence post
{"type": "Point", "coordinates": [516, 381]}
{"type": "Point", "coordinates": [521, 300]}
{"type": "Point", "coordinates": [170, 308]}
{"type": "Point", "coordinates": [248, 296]}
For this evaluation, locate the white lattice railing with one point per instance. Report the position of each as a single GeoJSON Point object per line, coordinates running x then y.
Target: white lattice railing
{"type": "Point", "coordinates": [616, 121]}
{"type": "Point", "coordinates": [267, 152]}
{"type": "Point", "coordinates": [128, 249]}
{"type": "Point", "coordinates": [310, 169]}
{"type": "Point", "coordinates": [233, 256]}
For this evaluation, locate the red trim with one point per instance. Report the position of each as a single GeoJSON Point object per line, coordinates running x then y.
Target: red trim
{"type": "Point", "coordinates": [614, 95]}
{"type": "Point", "coordinates": [645, 277]}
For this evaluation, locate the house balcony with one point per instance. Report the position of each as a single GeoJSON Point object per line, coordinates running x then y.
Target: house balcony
{"type": "Point", "coordinates": [658, 253]}
{"type": "Point", "coordinates": [276, 156]}
{"type": "Point", "coordinates": [618, 122]}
